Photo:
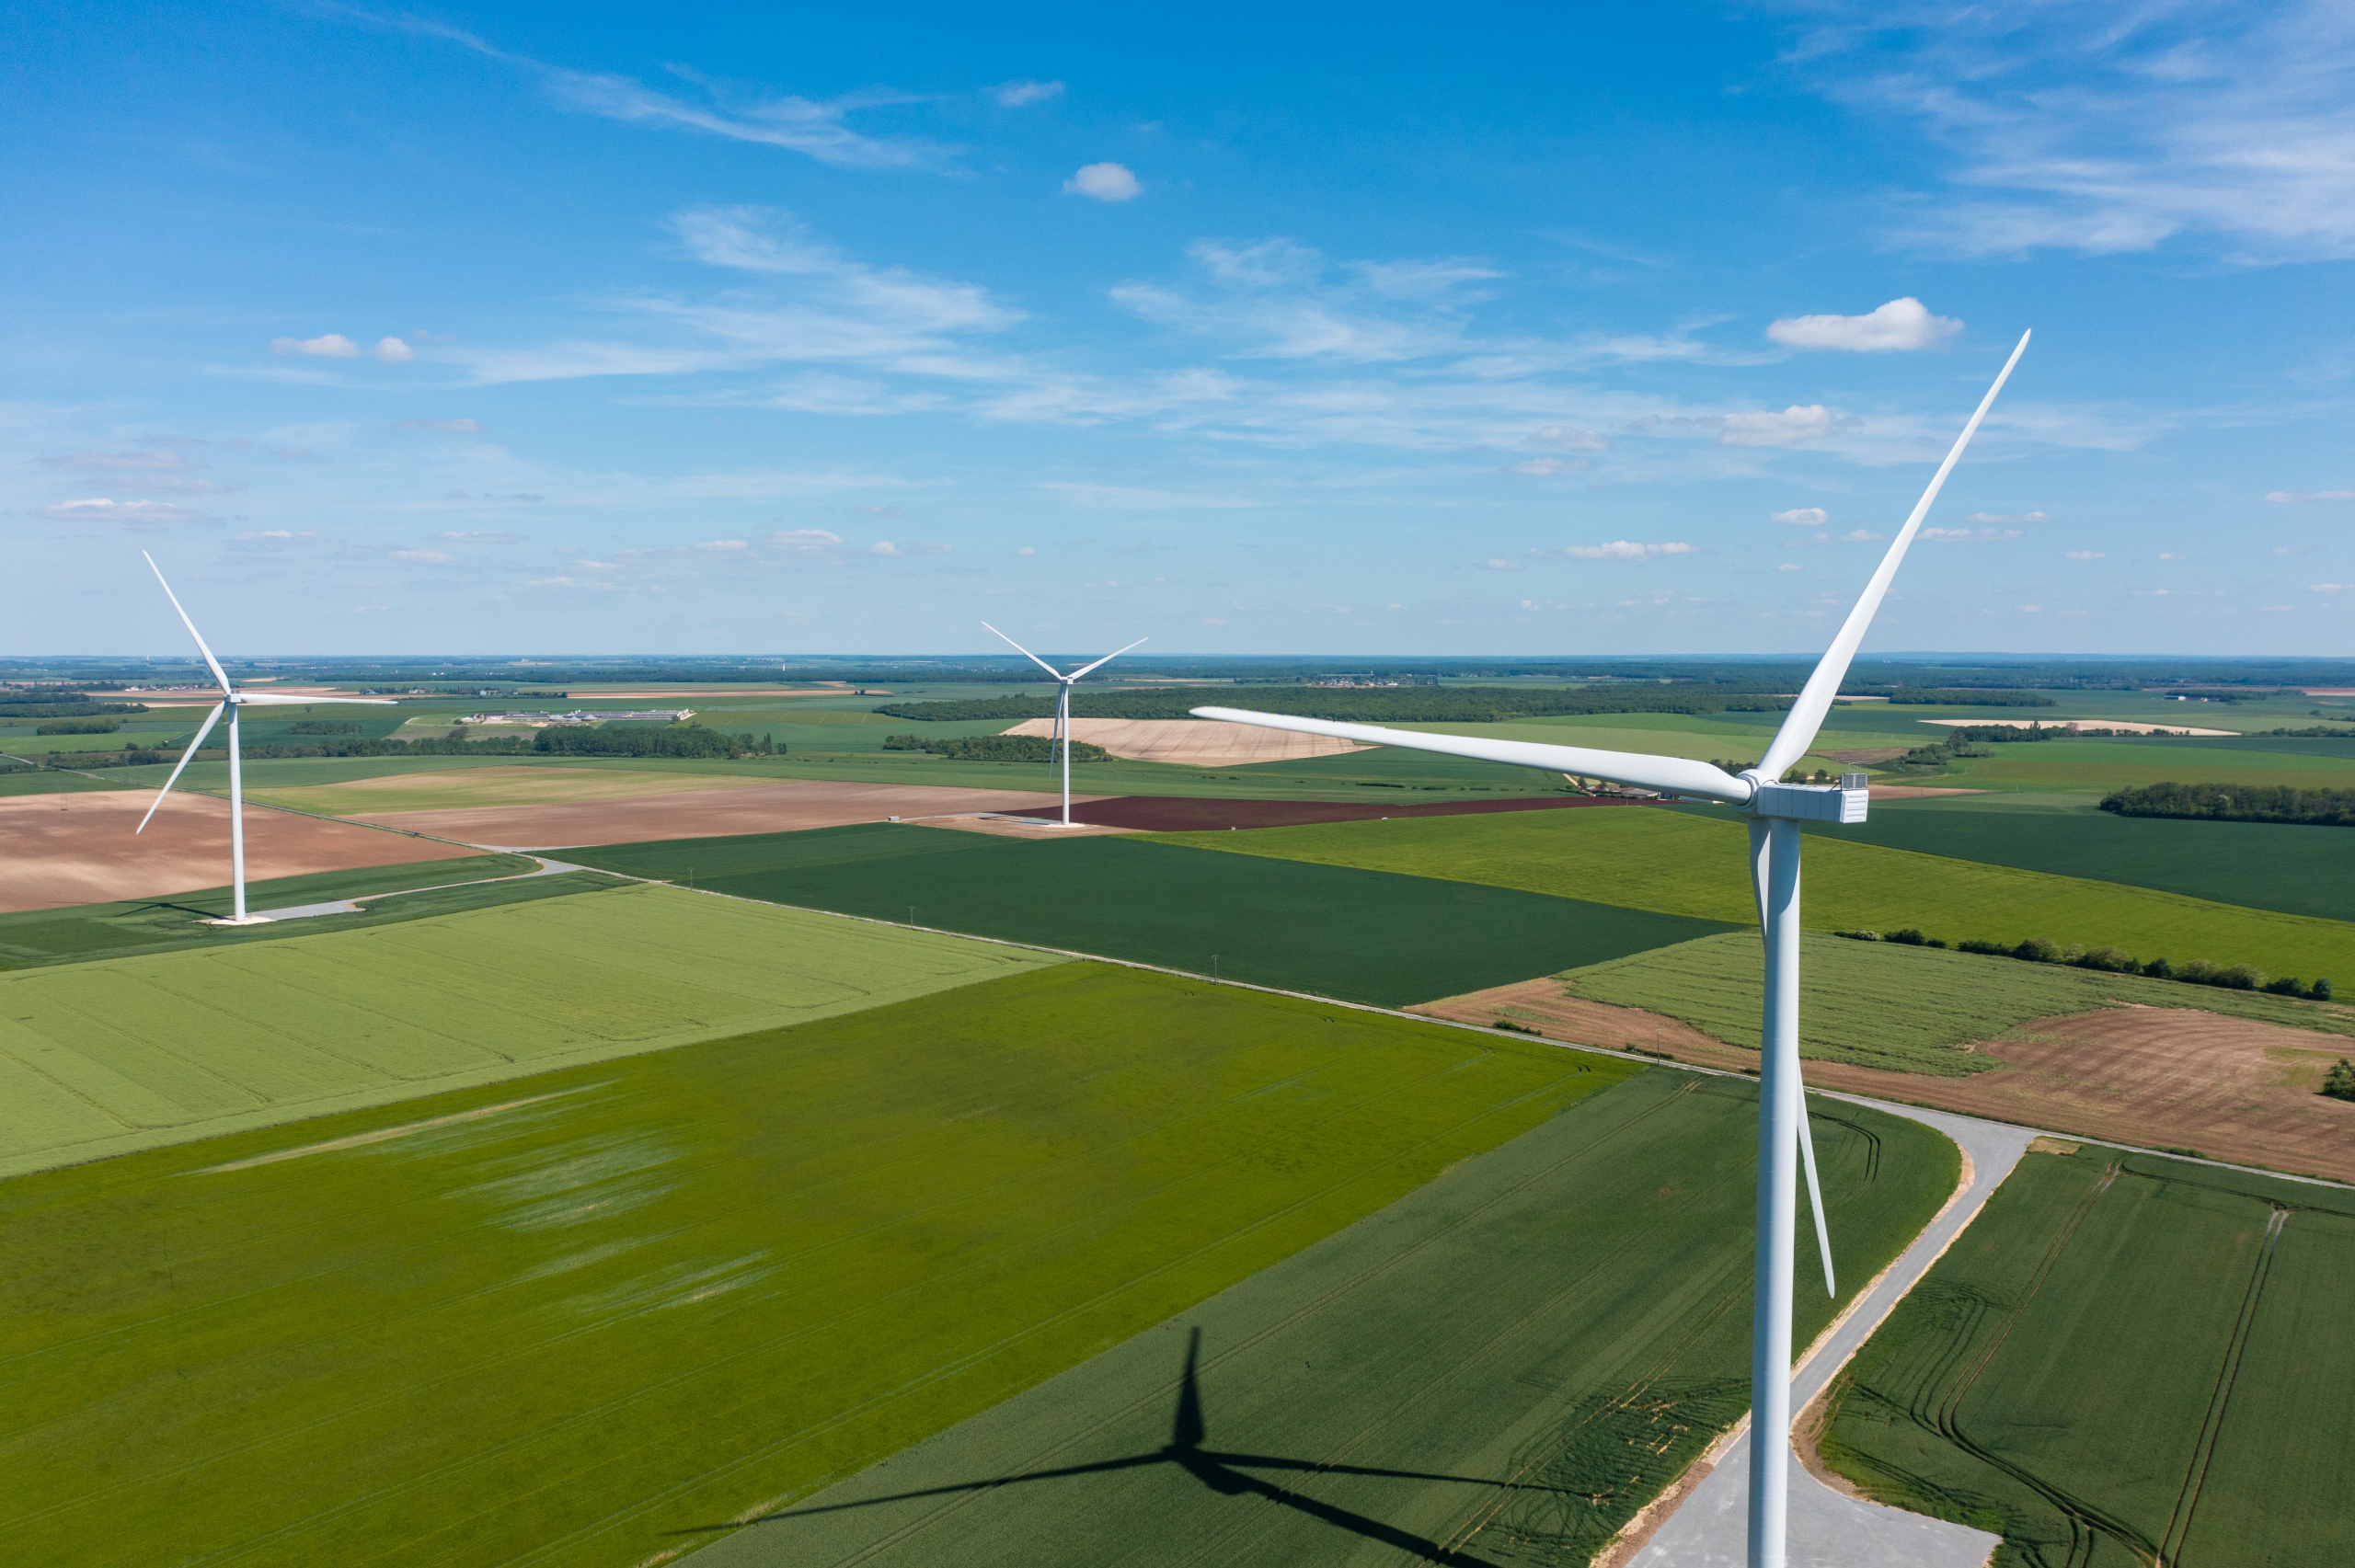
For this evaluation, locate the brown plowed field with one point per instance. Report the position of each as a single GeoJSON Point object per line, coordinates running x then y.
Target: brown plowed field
{"type": "Point", "coordinates": [781, 807]}
{"type": "Point", "coordinates": [2159, 1077]}
{"type": "Point", "coordinates": [80, 848]}
{"type": "Point", "coordinates": [1177, 814]}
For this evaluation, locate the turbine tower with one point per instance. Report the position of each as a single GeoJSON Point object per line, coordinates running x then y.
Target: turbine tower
{"type": "Point", "coordinates": [1775, 811]}
{"type": "Point", "coordinates": [231, 701]}
{"type": "Point", "coordinates": [1062, 698]}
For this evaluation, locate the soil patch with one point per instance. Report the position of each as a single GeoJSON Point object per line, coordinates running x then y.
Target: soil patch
{"type": "Point", "coordinates": [2155, 1076]}
{"type": "Point", "coordinates": [1200, 743]}
{"type": "Point", "coordinates": [1046, 824]}
{"type": "Point", "coordinates": [1176, 814]}
{"type": "Point", "coordinates": [788, 806]}
{"type": "Point", "coordinates": [83, 847]}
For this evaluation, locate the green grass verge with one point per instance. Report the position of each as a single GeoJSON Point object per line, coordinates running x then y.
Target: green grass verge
{"type": "Point", "coordinates": [1362, 935]}
{"type": "Point", "coordinates": [2109, 1369]}
{"type": "Point", "coordinates": [2261, 865]}
{"type": "Point", "coordinates": [98, 1059]}
{"type": "Point", "coordinates": [1698, 865]}
{"type": "Point", "coordinates": [1903, 1009]}
{"type": "Point", "coordinates": [1529, 1347]}
{"type": "Point", "coordinates": [673, 1286]}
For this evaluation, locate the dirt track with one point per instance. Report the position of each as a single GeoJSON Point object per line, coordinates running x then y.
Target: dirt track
{"type": "Point", "coordinates": [79, 849]}
{"type": "Point", "coordinates": [2161, 1077]}
{"type": "Point", "coordinates": [785, 807]}
{"type": "Point", "coordinates": [1200, 743]}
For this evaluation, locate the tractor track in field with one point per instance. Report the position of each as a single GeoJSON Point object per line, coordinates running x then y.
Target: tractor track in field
{"type": "Point", "coordinates": [2087, 1522]}
{"type": "Point", "coordinates": [2179, 1530]}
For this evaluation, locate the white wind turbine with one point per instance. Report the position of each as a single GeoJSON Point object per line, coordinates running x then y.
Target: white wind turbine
{"type": "Point", "coordinates": [231, 701]}
{"type": "Point", "coordinates": [1775, 811]}
{"type": "Point", "coordinates": [1062, 698]}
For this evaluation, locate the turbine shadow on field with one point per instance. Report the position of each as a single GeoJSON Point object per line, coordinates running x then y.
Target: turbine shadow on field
{"type": "Point", "coordinates": [1223, 1472]}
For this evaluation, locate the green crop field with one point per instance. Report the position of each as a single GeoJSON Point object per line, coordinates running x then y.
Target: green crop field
{"type": "Point", "coordinates": [1500, 1369]}
{"type": "Point", "coordinates": [2101, 766]}
{"type": "Point", "coordinates": [1361, 936]}
{"type": "Point", "coordinates": [2264, 865]}
{"type": "Point", "coordinates": [2123, 1359]}
{"type": "Point", "coordinates": [1691, 864]}
{"type": "Point", "coordinates": [121, 1054]}
{"type": "Point", "coordinates": [43, 782]}
{"type": "Point", "coordinates": [651, 1293]}
{"type": "Point", "coordinates": [1903, 1009]}
{"type": "Point", "coordinates": [534, 784]}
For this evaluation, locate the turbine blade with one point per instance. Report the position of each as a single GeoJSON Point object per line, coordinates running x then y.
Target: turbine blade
{"type": "Point", "coordinates": [1806, 717]}
{"type": "Point", "coordinates": [1106, 658]}
{"type": "Point", "coordinates": [1815, 1194]}
{"type": "Point", "coordinates": [1758, 871]}
{"type": "Point", "coordinates": [217, 674]}
{"type": "Point", "coordinates": [201, 731]}
{"type": "Point", "coordinates": [1023, 652]}
{"type": "Point", "coordinates": [1676, 774]}
{"type": "Point", "coordinates": [274, 699]}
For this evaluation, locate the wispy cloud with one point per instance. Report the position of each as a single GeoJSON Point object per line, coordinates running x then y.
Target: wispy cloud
{"type": "Point", "coordinates": [1617, 550]}
{"type": "Point", "coordinates": [137, 513]}
{"type": "Point", "coordinates": [2005, 517]}
{"type": "Point", "coordinates": [1277, 299]}
{"type": "Point", "coordinates": [2292, 499]}
{"type": "Point", "coordinates": [1014, 94]}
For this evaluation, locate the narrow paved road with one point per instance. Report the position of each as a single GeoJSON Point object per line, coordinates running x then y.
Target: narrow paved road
{"type": "Point", "coordinates": [1710, 1528]}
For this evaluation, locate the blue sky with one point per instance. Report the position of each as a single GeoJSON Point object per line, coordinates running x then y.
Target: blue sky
{"type": "Point", "coordinates": [1525, 329]}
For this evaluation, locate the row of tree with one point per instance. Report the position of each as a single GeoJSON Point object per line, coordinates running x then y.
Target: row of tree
{"type": "Point", "coordinates": [1402, 704]}
{"type": "Point", "coordinates": [2114, 960]}
{"type": "Point", "coordinates": [996, 748]}
{"type": "Point", "coordinates": [2236, 802]}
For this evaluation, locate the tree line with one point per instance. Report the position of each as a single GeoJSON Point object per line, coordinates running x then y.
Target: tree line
{"type": "Point", "coordinates": [2236, 802]}
{"type": "Point", "coordinates": [2113, 960]}
{"type": "Point", "coordinates": [996, 748]}
{"type": "Point", "coordinates": [1404, 705]}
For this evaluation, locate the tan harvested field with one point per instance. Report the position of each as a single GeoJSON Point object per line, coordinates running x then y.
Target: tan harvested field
{"type": "Point", "coordinates": [1030, 827]}
{"type": "Point", "coordinates": [2118, 724]}
{"type": "Point", "coordinates": [838, 691]}
{"type": "Point", "coordinates": [785, 807]}
{"type": "Point", "coordinates": [80, 848]}
{"type": "Point", "coordinates": [454, 789]}
{"type": "Point", "coordinates": [1200, 743]}
{"type": "Point", "coordinates": [2159, 1077]}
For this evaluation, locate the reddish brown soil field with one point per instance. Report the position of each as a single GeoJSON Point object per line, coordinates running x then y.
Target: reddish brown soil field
{"type": "Point", "coordinates": [2159, 1077]}
{"type": "Point", "coordinates": [80, 848]}
{"type": "Point", "coordinates": [1174, 814]}
{"type": "Point", "coordinates": [782, 807]}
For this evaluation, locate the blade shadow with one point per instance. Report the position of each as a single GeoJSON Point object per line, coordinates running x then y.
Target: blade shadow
{"type": "Point", "coordinates": [1222, 1471]}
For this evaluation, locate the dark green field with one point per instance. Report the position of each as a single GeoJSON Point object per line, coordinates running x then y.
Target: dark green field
{"type": "Point", "coordinates": [1499, 1369]}
{"type": "Point", "coordinates": [1362, 935]}
{"type": "Point", "coordinates": [2263, 866]}
{"type": "Point", "coordinates": [2124, 1358]}
{"type": "Point", "coordinates": [660, 1290]}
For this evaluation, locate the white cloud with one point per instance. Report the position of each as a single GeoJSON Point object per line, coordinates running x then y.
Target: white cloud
{"type": "Point", "coordinates": [100, 509]}
{"type": "Point", "coordinates": [2007, 517]}
{"type": "Point", "coordinates": [2029, 609]}
{"type": "Point", "coordinates": [1861, 536]}
{"type": "Point", "coordinates": [161, 462]}
{"type": "Point", "coordinates": [1025, 550]}
{"type": "Point", "coordinates": [2332, 587]}
{"type": "Point", "coordinates": [548, 582]}
{"type": "Point", "coordinates": [1276, 299]}
{"type": "Point", "coordinates": [2290, 497]}
{"type": "Point", "coordinates": [1793, 425]}
{"type": "Point", "coordinates": [2082, 555]}
{"type": "Point", "coordinates": [392, 351]}
{"type": "Point", "coordinates": [273, 536]}
{"type": "Point", "coordinates": [796, 124]}
{"type": "Point", "coordinates": [445, 426]}
{"type": "Point", "coordinates": [468, 537]}
{"type": "Point", "coordinates": [1802, 517]}
{"type": "Point", "coordinates": [432, 558]}
{"type": "Point", "coordinates": [802, 541]}
{"type": "Point", "coordinates": [1617, 550]}
{"type": "Point", "coordinates": [2293, 549]}
{"type": "Point", "coordinates": [723, 545]}
{"type": "Point", "coordinates": [1569, 438]}
{"type": "Point", "coordinates": [1788, 567]}
{"type": "Point", "coordinates": [1131, 497]}
{"type": "Point", "coordinates": [1105, 182]}
{"type": "Point", "coordinates": [1212, 621]}
{"type": "Point", "coordinates": [331, 345]}
{"type": "Point", "coordinates": [1540, 466]}
{"type": "Point", "coordinates": [1013, 94]}
{"type": "Point", "coordinates": [1500, 564]}
{"type": "Point", "coordinates": [2169, 555]}
{"type": "Point", "coordinates": [1965, 537]}
{"type": "Point", "coordinates": [1902, 324]}
{"type": "Point", "coordinates": [884, 547]}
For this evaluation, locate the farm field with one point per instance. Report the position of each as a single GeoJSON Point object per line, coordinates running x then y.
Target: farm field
{"type": "Point", "coordinates": [1360, 935]}
{"type": "Point", "coordinates": [2122, 1359]}
{"type": "Point", "coordinates": [120, 1054]}
{"type": "Point", "coordinates": [575, 1318]}
{"type": "Point", "coordinates": [2097, 767]}
{"type": "Point", "coordinates": [1697, 865]}
{"type": "Point", "coordinates": [43, 782]}
{"type": "Point", "coordinates": [1499, 1369]}
{"type": "Point", "coordinates": [2263, 866]}
{"type": "Point", "coordinates": [2139, 1061]}
{"type": "Point", "coordinates": [85, 848]}
{"type": "Point", "coordinates": [462, 788]}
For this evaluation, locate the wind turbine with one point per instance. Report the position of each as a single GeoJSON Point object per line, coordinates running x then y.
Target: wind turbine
{"type": "Point", "coordinates": [231, 701]}
{"type": "Point", "coordinates": [1062, 698]}
{"type": "Point", "coordinates": [1774, 810]}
